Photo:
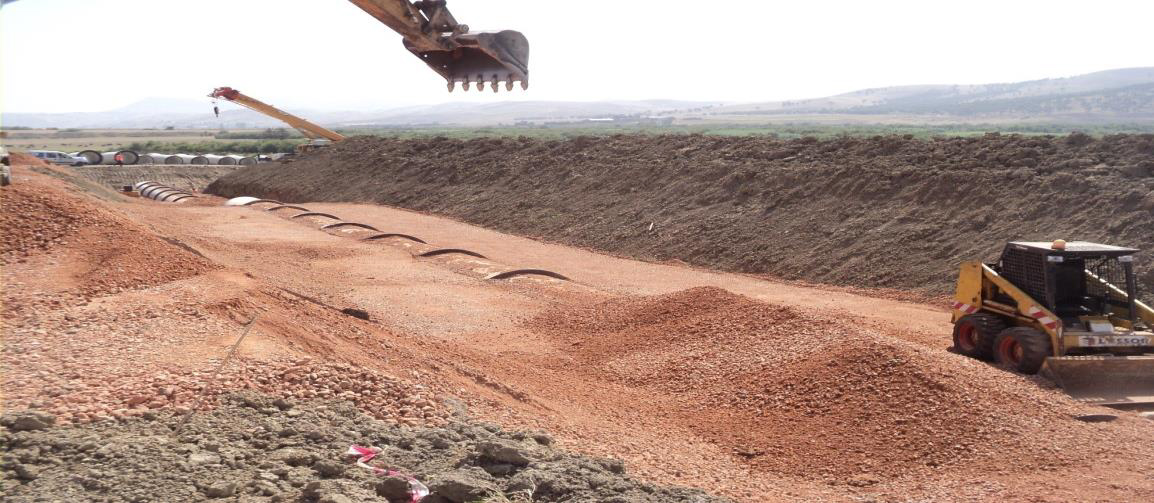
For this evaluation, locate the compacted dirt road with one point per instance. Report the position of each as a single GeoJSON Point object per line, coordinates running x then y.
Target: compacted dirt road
{"type": "Point", "coordinates": [745, 387]}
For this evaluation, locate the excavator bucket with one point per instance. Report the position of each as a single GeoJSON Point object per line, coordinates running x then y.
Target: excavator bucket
{"type": "Point", "coordinates": [501, 57]}
{"type": "Point", "coordinates": [1104, 380]}
{"type": "Point", "coordinates": [432, 33]}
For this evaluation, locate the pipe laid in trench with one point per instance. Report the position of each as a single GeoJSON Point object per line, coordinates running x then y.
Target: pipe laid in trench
{"type": "Point", "coordinates": [163, 193]}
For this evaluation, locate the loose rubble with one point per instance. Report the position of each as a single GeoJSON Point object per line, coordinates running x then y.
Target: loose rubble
{"type": "Point", "coordinates": [258, 447]}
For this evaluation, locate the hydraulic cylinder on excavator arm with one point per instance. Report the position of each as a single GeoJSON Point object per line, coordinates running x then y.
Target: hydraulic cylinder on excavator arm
{"type": "Point", "coordinates": [432, 34]}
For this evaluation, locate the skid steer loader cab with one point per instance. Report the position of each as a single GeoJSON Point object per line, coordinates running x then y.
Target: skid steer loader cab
{"type": "Point", "coordinates": [1084, 284]}
{"type": "Point", "coordinates": [1068, 310]}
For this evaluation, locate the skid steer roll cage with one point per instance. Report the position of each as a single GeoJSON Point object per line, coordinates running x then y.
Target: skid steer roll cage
{"type": "Point", "coordinates": [977, 283]}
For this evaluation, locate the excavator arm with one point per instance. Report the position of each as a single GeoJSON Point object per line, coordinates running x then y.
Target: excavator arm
{"type": "Point", "coordinates": [306, 128]}
{"type": "Point", "coordinates": [432, 34]}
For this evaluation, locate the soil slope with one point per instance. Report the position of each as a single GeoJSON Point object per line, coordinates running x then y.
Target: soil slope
{"type": "Point", "coordinates": [882, 211]}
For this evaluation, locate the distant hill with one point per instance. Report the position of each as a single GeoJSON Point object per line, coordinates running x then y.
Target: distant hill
{"type": "Point", "coordinates": [1113, 96]}
{"type": "Point", "coordinates": [158, 112]}
{"type": "Point", "coordinates": [1123, 94]}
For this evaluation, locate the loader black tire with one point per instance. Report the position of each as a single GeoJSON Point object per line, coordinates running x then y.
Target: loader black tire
{"type": "Point", "coordinates": [1022, 349]}
{"type": "Point", "coordinates": [974, 334]}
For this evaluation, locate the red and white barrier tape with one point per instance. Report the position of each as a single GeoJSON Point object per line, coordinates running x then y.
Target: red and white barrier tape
{"type": "Point", "coordinates": [365, 454]}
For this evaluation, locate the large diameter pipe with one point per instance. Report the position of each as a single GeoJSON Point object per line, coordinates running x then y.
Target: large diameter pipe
{"type": "Point", "coordinates": [246, 161]}
{"type": "Point", "coordinates": [200, 159]}
{"type": "Point", "coordinates": [162, 193]}
{"type": "Point", "coordinates": [227, 160]}
{"type": "Point", "coordinates": [92, 156]}
{"type": "Point", "coordinates": [128, 156]}
{"type": "Point", "coordinates": [166, 158]}
{"type": "Point", "coordinates": [154, 158]}
{"type": "Point", "coordinates": [241, 201]}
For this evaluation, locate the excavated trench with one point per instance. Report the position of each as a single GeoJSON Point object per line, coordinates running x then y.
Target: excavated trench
{"type": "Point", "coordinates": [887, 211]}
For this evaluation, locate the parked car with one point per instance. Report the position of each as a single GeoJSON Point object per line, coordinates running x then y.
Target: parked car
{"type": "Point", "coordinates": [59, 157]}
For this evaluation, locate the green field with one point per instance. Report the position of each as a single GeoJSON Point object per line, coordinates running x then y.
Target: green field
{"type": "Point", "coordinates": [251, 141]}
{"type": "Point", "coordinates": [784, 131]}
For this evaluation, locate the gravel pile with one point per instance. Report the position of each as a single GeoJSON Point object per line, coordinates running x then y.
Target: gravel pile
{"type": "Point", "coordinates": [34, 219]}
{"type": "Point", "coordinates": [112, 252]}
{"type": "Point", "coordinates": [255, 447]}
{"type": "Point", "coordinates": [811, 395]}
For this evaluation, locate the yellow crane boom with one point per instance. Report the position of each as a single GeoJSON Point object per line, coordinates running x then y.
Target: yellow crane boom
{"type": "Point", "coordinates": [310, 130]}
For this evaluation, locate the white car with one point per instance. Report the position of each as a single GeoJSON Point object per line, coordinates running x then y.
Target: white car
{"type": "Point", "coordinates": [59, 157]}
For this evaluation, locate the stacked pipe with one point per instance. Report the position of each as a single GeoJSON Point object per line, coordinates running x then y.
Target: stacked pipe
{"type": "Point", "coordinates": [131, 157]}
{"type": "Point", "coordinates": [155, 158]}
{"type": "Point", "coordinates": [92, 156]}
{"type": "Point", "coordinates": [214, 159]}
{"type": "Point", "coordinates": [161, 192]}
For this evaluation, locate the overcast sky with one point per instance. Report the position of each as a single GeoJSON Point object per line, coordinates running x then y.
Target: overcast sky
{"type": "Point", "coordinates": [85, 55]}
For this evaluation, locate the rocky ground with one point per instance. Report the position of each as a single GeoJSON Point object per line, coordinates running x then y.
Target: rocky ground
{"type": "Point", "coordinates": [117, 313]}
{"type": "Point", "coordinates": [886, 211]}
{"type": "Point", "coordinates": [254, 447]}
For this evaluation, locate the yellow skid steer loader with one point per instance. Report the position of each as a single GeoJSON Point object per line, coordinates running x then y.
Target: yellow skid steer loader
{"type": "Point", "coordinates": [1067, 310]}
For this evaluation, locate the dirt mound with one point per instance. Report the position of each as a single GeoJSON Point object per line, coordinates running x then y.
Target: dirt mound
{"type": "Point", "coordinates": [106, 252]}
{"type": "Point", "coordinates": [881, 211]}
{"type": "Point", "coordinates": [811, 395]}
{"type": "Point", "coordinates": [257, 448]}
{"type": "Point", "coordinates": [33, 220]}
